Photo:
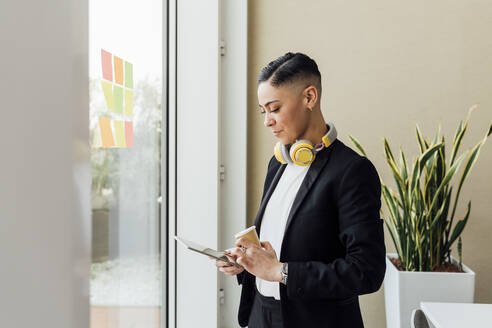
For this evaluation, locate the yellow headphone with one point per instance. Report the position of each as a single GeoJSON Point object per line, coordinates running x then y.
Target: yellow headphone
{"type": "Point", "coordinates": [303, 152]}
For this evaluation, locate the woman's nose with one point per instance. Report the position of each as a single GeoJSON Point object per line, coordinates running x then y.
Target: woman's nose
{"type": "Point", "coordinates": [268, 120]}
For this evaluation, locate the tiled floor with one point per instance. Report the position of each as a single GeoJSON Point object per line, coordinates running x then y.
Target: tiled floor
{"type": "Point", "coordinates": [125, 317]}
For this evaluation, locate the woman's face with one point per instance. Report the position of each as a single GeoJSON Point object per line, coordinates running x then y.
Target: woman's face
{"type": "Point", "coordinates": [284, 111]}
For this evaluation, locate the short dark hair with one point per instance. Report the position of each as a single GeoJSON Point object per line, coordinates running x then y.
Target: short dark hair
{"type": "Point", "coordinates": [289, 68]}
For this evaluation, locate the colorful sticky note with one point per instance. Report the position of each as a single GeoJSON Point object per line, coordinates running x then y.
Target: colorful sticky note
{"type": "Point", "coordinates": [106, 132]}
{"type": "Point", "coordinates": [129, 133]}
{"type": "Point", "coordinates": [128, 75]}
{"type": "Point", "coordinates": [120, 133]}
{"type": "Point", "coordinates": [107, 65]}
{"type": "Point", "coordinates": [108, 94]}
{"type": "Point", "coordinates": [118, 99]}
{"type": "Point", "coordinates": [129, 102]}
{"type": "Point", "coordinates": [118, 70]}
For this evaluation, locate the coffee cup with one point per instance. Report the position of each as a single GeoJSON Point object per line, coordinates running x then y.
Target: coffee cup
{"type": "Point", "coordinates": [249, 234]}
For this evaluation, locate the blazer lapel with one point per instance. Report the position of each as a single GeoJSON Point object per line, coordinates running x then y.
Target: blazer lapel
{"type": "Point", "coordinates": [269, 192]}
{"type": "Point", "coordinates": [311, 175]}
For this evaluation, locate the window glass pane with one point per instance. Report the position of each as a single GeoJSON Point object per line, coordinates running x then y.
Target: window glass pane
{"type": "Point", "coordinates": [125, 123]}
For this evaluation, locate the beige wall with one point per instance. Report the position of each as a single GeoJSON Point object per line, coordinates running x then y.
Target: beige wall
{"type": "Point", "coordinates": [387, 65]}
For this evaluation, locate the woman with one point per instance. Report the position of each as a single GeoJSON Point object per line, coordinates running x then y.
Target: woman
{"type": "Point", "coordinates": [322, 238]}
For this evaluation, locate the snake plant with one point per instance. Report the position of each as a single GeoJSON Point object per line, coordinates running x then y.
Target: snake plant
{"type": "Point", "coordinates": [422, 209]}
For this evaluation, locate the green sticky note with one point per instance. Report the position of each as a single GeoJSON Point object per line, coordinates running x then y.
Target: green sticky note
{"type": "Point", "coordinates": [118, 99]}
{"type": "Point", "coordinates": [128, 75]}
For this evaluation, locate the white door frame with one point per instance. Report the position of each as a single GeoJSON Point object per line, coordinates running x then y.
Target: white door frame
{"type": "Point", "coordinates": [206, 129]}
{"type": "Point", "coordinates": [234, 27]}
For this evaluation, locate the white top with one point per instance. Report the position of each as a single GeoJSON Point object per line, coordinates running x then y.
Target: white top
{"type": "Point", "coordinates": [275, 218]}
{"type": "Point", "coordinates": [454, 315]}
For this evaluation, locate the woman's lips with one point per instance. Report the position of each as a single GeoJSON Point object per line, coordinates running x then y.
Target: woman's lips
{"type": "Point", "coordinates": [276, 132]}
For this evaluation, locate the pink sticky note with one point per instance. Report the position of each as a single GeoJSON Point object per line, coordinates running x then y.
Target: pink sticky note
{"type": "Point", "coordinates": [107, 65]}
{"type": "Point", "coordinates": [129, 133]}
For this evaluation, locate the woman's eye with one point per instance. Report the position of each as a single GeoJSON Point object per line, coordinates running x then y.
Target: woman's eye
{"type": "Point", "coordinates": [272, 111]}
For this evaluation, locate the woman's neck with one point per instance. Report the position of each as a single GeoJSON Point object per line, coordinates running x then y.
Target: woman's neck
{"type": "Point", "coordinates": [316, 129]}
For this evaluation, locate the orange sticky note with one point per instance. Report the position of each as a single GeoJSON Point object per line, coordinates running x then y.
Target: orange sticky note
{"type": "Point", "coordinates": [118, 70]}
{"type": "Point", "coordinates": [129, 133]}
{"type": "Point", "coordinates": [107, 65]}
{"type": "Point", "coordinates": [108, 94]}
{"type": "Point", "coordinates": [120, 133]}
{"type": "Point", "coordinates": [106, 132]}
{"type": "Point", "coordinates": [129, 102]}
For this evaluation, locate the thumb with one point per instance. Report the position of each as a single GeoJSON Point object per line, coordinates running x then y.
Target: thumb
{"type": "Point", "coordinates": [243, 242]}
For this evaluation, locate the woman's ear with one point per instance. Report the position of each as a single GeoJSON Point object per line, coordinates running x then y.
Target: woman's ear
{"type": "Point", "coordinates": [310, 97]}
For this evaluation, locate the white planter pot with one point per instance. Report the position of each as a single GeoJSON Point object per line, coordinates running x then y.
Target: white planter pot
{"type": "Point", "coordinates": [403, 290]}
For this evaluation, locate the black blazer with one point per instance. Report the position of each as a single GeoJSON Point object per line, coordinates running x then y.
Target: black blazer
{"type": "Point", "coordinates": [333, 242]}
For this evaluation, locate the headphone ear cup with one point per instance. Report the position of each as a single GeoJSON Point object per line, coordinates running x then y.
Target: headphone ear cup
{"type": "Point", "coordinates": [302, 153]}
{"type": "Point", "coordinates": [281, 153]}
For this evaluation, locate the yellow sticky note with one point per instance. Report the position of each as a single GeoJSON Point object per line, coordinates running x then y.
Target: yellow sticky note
{"type": "Point", "coordinates": [129, 102]}
{"type": "Point", "coordinates": [106, 133]}
{"type": "Point", "coordinates": [119, 130]}
{"type": "Point", "coordinates": [108, 94]}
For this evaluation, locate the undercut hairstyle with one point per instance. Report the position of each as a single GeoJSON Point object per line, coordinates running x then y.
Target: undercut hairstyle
{"type": "Point", "coordinates": [291, 68]}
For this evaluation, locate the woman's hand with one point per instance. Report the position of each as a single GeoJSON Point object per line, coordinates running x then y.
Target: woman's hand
{"type": "Point", "coordinates": [227, 268]}
{"type": "Point", "coordinates": [261, 262]}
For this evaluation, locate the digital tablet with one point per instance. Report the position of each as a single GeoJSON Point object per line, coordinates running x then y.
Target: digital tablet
{"type": "Point", "coordinates": [205, 251]}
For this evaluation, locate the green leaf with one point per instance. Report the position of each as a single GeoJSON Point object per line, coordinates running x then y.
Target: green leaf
{"type": "Point", "coordinates": [436, 138]}
{"type": "Point", "coordinates": [388, 198]}
{"type": "Point", "coordinates": [357, 145]}
{"type": "Point", "coordinates": [446, 180]}
{"type": "Point", "coordinates": [457, 140]}
{"type": "Point", "coordinates": [388, 152]}
{"type": "Point", "coordinates": [460, 225]}
{"type": "Point", "coordinates": [442, 210]}
{"type": "Point", "coordinates": [403, 163]}
{"type": "Point", "coordinates": [415, 175]}
{"type": "Point", "coordinates": [420, 140]}
{"type": "Point", "coordinates": [470, 162]}
{"type": "Point", "coordinates": [428, 154]}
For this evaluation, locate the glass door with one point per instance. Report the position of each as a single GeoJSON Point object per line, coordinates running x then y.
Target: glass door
{"type": "Point", "coordinates": [126, 81]}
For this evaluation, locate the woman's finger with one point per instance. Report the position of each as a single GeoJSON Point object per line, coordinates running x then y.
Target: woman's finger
{"type": "Point", "coordinates": [231, 257]}
{"type": "Point", "coordinates": [266, 245]}
{"type": "Point", "coordinates": [236, 252]}
{"type": "Point", "coordinates": [221, 264]}
{"type": "Point", "coordinates": [231, 270]}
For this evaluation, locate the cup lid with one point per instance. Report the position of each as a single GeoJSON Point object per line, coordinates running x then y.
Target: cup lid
{"type": "Point", "coordinates": [242, 233]}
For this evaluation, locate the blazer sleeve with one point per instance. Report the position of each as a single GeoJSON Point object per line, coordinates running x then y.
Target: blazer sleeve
{"type": "Point", "coordinates": [239, 277]}
{"type": "Point", "coordinates": [362, 269]}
